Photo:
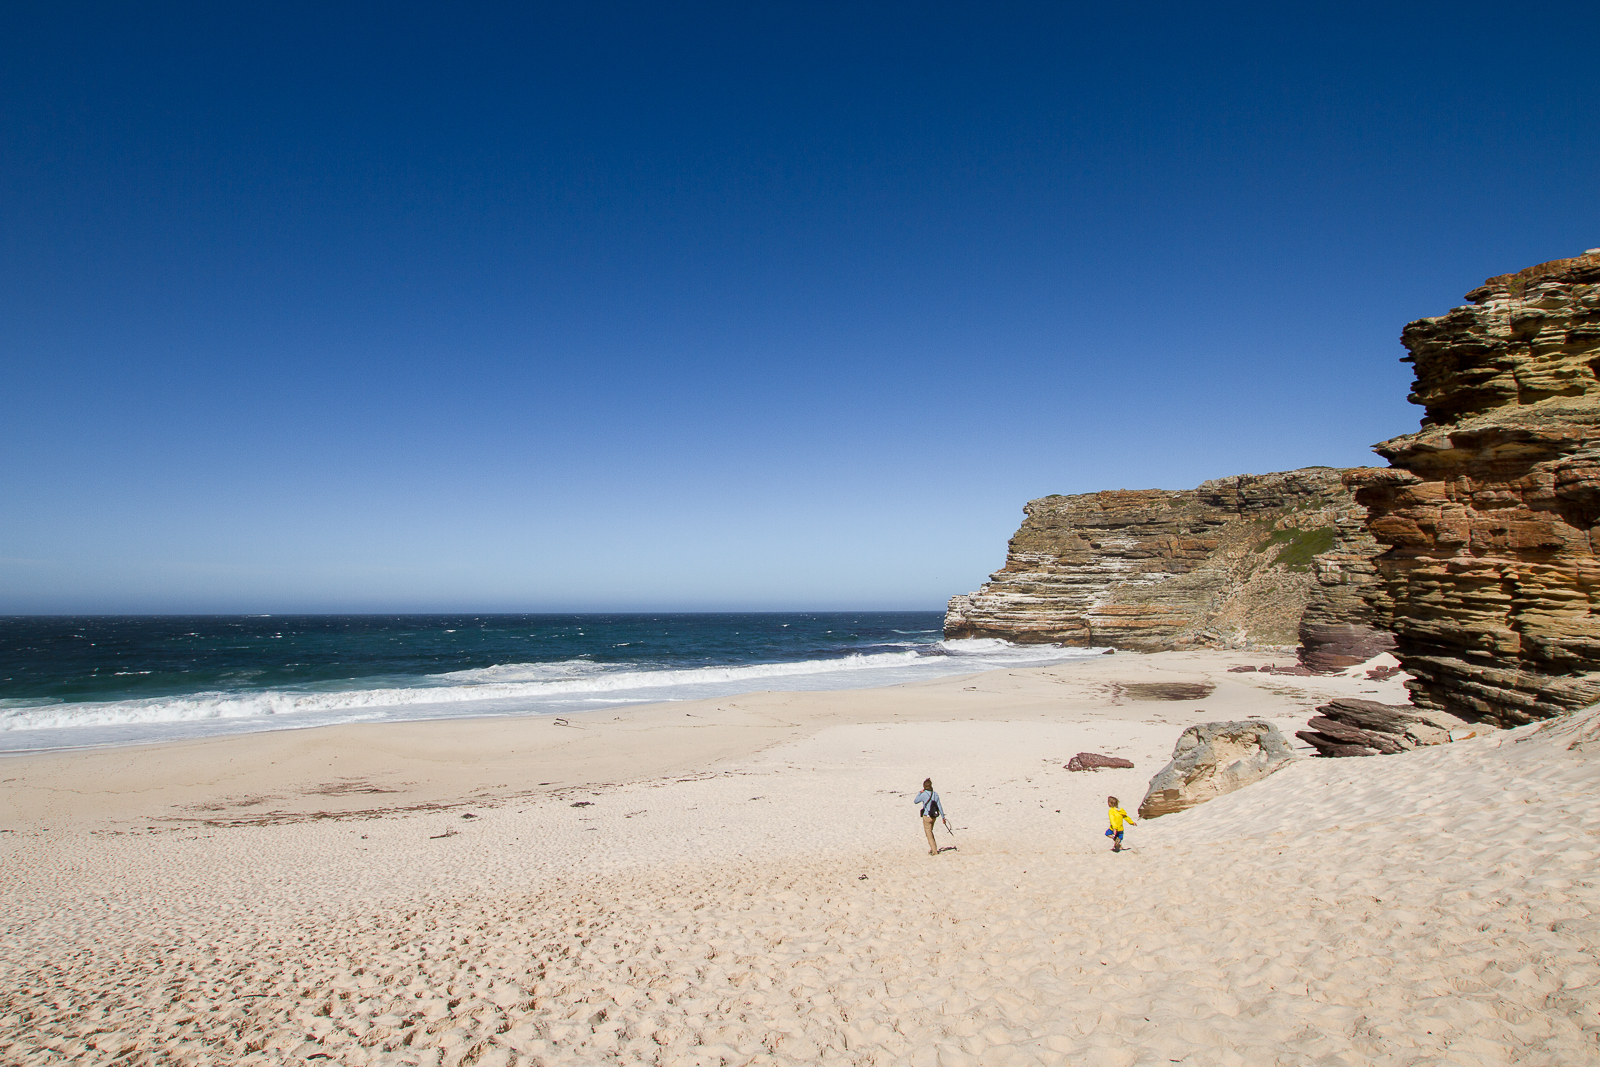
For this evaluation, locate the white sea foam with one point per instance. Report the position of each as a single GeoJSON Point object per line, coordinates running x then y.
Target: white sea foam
{"type": "Point", "coordinates": [520, 688]}
{"type": "Point", "coordinates": [993, 646]}
{"type": "Point", "coordinates": [560, 670]}
{"type": "Point", "coordinates": [489, 683]}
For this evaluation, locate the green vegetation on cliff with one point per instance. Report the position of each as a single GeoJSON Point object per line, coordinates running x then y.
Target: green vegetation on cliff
{"type": "Point", "coordinates": [1299, 546]}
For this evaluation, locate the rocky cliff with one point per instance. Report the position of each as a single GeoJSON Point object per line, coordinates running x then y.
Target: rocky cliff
{"type": "Point", "coordinates": [1489, 511]}
{"type": "Point", "coordinates": [1266, 559]}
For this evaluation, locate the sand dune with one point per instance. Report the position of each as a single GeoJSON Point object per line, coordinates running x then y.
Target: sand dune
{"type": "Point", "coordinates": [778, 906]}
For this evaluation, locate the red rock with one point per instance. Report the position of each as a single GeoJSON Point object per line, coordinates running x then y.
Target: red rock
{"type": "Point", "coordinates": [1349, 726]}
{"type": "Point", "coordinates": [1093, 761]}
{"type": "Point", "coordinates": [1354, 735]}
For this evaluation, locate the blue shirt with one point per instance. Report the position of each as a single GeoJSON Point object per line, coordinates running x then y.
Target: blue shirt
{"type": "Point", "coordinates": [928, 796]}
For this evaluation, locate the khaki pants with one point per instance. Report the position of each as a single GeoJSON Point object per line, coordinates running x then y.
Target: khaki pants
{"type": "Point", "coordinates": [927, 828]}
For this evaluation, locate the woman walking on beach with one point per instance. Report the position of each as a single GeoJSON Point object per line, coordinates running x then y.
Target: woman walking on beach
{"type": "Point", "coordinates": [927, 802]}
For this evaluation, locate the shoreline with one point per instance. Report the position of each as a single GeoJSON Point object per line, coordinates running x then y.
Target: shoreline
{"type": "Point", "coordinates": [560, 686]}
{"type": "Point", "coordinates": [338, 770]}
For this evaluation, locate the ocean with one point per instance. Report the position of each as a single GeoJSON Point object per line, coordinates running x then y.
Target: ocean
{"type": "Point", "coordinates": [89, 681]}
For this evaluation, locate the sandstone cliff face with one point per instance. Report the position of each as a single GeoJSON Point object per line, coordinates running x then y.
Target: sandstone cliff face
{"type": "Point", "coordinates": [1264, 559]}
{"type": "Point", "coordinates": [1489, 511]}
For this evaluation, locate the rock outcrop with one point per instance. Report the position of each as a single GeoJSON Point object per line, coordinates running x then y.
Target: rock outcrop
{"type": "Point", "coordinates": [1349, 726]}
{"type": "Point", "coordinates": [1253, 559]}
{"type": "Point", "coordinates": [1212, 759]}
{"type": "Point", "coordinates": [1489, 511]}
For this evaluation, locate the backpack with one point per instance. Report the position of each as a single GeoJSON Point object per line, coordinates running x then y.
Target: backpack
{"type": "Point", "coordinates": [933, 811]}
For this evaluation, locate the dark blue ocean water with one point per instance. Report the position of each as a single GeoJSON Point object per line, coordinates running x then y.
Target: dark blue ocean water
{"type": "Point", "coordinates": [101, 680]}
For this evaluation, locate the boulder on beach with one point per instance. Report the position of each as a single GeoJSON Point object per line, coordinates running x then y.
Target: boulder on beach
{"type": "Point", "coordinates": [1212, 759]}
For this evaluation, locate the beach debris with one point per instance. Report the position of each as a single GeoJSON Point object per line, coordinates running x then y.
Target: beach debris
{"type": "Point", "coordinates": [1093, 761]}
{"type": "Point", "coordinates": [1212, 759]}
{"type": "Point", "coordinates": [1382, 674]}
{"type": "Point", "coordinates": [447, 833]}
{"type": "Point", "coordinates": [583, 804]}
{"type": "Point", "coordinates": [468, 815]}
{"type": "Point", "coordinates": [861, 878]}
{"type": "Point", "coordinates": [1349, 726]}
{"type": "Point", "coordinates": [1246, 668]}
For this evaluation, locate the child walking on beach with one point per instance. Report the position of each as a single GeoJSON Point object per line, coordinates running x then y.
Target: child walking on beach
{"type": "Point", "coordinates": [1118, 818]}
{"type": "Point", "coordinates": [927, 802]}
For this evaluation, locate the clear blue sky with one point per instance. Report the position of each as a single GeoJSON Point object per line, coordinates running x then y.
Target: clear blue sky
{"type": "Point", "coordinates": [606, 306]}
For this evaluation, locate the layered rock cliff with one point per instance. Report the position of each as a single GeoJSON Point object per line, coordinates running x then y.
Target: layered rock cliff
{"type": "Point", "coordinates": [1265, 559]}
{"type": "Point", "coordinates": [1488, 513]}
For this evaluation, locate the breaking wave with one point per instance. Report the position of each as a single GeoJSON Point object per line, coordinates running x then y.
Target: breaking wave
{"type": "Point", "coordinates": [510, 688]}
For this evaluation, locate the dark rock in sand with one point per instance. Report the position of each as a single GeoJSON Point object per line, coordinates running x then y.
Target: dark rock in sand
{"type": "Point", "coordinates": [1349, 726]}
{"type": "Point", "coordinates": [1093, 761]}
{"type": "Point", "coordinates": [1354, 735]}
{"type": "Point", "coordinates": [1328, 747]}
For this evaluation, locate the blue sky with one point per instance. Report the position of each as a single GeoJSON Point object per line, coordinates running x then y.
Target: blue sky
{"type": "Point", "coordinates": [679, 306]}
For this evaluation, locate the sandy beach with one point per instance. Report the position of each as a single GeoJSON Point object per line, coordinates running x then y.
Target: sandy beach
{"type": "Point", "coordinates": [744, 881]}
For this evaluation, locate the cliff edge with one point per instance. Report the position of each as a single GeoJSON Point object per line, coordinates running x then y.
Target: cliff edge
{"type": "Point", "coordinates": [1488, 513]}
{"type": "Point", "coordinates": [1269, 559]}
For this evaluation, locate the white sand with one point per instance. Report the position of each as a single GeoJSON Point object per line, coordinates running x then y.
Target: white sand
{"type": "Point", "coordinates": [1433, 907]}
